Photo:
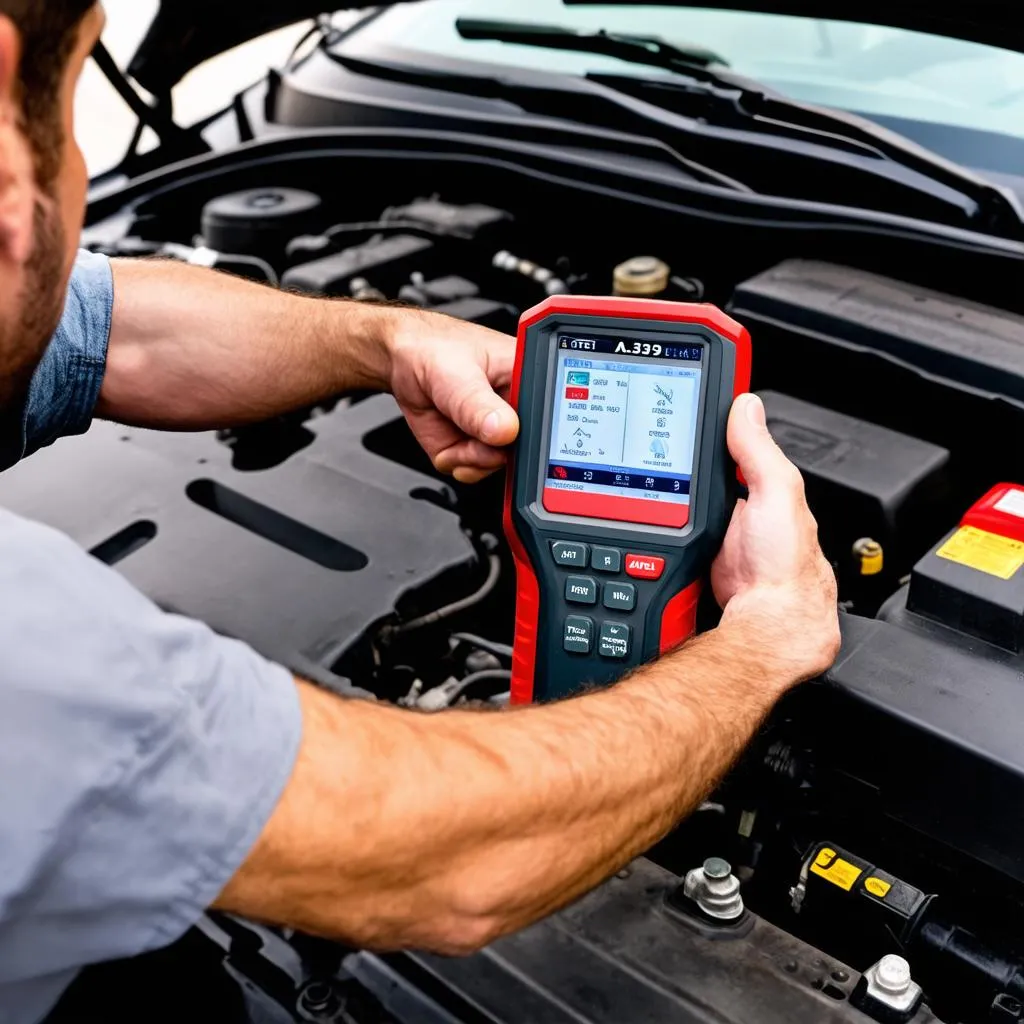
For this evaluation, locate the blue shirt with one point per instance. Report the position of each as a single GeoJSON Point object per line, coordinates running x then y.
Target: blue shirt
{"type": "Point", "coordinates": [141, 754]}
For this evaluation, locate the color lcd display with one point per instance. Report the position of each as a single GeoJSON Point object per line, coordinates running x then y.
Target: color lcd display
{"type": "Point", "coordinates": [624, 429]}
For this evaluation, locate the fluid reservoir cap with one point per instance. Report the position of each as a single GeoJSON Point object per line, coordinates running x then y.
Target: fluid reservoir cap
{"type": "Point", "coordinates": [642, 276]}
{"type": "Point", "coordinates": [258, 221]}
{"type": "Point", "coordinates": [869, 556]}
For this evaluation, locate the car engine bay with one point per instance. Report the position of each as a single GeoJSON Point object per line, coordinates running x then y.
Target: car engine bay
{"type": "Point", "coordinates": [879, 810]}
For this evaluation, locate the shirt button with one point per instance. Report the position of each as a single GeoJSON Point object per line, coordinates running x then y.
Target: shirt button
{"type": "Point", "coordinates": [645, 567]}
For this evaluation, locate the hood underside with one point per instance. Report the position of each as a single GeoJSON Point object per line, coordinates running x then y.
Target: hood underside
{"type": "Point", "coordinates": [187, 32]}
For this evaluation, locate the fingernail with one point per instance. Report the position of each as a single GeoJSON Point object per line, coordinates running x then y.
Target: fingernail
{"type": "Point", "coordinates": [755, 411]}
{"type": "Point", "coordinates": [491, 426]}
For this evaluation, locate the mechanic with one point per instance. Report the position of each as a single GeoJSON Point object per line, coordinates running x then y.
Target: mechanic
{"type": "Point", "coordinates": [150, 769]}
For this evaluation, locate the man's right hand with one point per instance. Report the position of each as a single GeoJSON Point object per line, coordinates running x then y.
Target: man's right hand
{"type": "Point", "coordinates": [771, 578]}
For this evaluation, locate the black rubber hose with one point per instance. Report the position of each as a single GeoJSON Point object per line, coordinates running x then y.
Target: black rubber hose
{"type": "Point", "coordinates": [455, 607]}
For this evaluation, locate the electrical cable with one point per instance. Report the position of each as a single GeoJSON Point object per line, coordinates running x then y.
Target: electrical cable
{"type": "Point", "coordinates": [455, 607]}
{"type": "Point", "coordinates": [490, 646]}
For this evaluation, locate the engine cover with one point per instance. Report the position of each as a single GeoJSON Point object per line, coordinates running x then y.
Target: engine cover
{"type": "Point", "coordinates": [299, 560]}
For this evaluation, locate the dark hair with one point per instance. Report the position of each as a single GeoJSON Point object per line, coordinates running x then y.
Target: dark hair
{"type": "Point", "coordinates": [49, 34]}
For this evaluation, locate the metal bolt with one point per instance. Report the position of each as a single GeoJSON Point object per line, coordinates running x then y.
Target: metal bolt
{"type": "Point", "coordinates": [715, 889]}
{"type": "Point", "coordinates": [893, 974]}
{"type": "Point", "coordinates": [716, 868]}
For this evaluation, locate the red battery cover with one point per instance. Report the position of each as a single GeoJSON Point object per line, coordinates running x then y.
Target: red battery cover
{"type": "Point", "coordinates": [1000, 511]}
{"type": "Point", "coordinates": [678, 622]}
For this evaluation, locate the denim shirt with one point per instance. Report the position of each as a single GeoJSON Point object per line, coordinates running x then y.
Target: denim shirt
{"type": "Point", "coordinates": [141, 755]}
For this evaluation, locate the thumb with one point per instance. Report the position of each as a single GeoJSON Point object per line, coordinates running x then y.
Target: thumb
{"type": "Point", "coordinates": [477, 410]}
{"type": "Point", "coordinates": [759, 458]}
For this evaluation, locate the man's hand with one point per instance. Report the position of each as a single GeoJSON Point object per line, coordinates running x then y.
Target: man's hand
{"type": "Point", "coordinates": [771, 577]}
{"type": "Point", "coordinates": [451, 380]}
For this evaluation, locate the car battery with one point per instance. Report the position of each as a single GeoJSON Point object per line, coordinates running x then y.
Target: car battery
{"type": "Point", "coordinates": [972, 581]}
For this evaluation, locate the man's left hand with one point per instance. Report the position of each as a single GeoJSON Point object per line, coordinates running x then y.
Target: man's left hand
{"type": "Point", "coordinates": [452, 380]}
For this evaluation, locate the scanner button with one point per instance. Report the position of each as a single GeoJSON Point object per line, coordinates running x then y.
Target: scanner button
{"type": "Point", "coordinates": [581, 590]}
{"type": "Point", "coordinates": [620, 596]}
{"type": "Point", "coordinates": [573, 555]}
{"type": "Point", "coordinates": [614, 640]}
{"type": "Point", "coordinates": [606, 560]}
{"type": "Point", "coordinates": [578, 634]}
{"type": "Point", "coordinates": [645, 567]}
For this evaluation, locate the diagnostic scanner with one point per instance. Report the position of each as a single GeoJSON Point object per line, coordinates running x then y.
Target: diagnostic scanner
{"type": "Point", "coordinates": [620, 486]}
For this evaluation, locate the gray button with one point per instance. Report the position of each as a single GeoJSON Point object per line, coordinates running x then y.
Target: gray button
{"type": "Point", "coordinates": [606, 560]}
{"type": "Point", "coordinates": [574, 555]}
{"type": "Point", "coordinates": [581, 590]}
{"type": "Point", "coordinates": [578, 634]}
{"type": "Point", "coordinates": [620, 596]}
{"type": "Point", "coordinates": [614, 640]}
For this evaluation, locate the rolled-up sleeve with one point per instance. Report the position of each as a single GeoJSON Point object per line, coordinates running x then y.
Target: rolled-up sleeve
{"type": "Point", "coordinates": [141, 756]}
{"type": "Point", "coordinates": [66, 385]}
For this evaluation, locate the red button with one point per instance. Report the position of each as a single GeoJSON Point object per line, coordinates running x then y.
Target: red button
{"type": "Point", "coordinates": [644, 567]}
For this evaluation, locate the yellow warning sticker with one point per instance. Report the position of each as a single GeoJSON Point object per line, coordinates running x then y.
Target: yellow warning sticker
{"type": "Point", "coordinates": [830, 866]}
{"type": "Point", "coordinates": [984, 551]}
{"type": "Point", "coordinates": [877, 887]}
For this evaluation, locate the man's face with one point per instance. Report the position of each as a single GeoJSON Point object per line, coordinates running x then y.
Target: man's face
{"type": "Point", "coordinates": [39, 226]}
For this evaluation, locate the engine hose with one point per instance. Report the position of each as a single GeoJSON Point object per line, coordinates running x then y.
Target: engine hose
{"type": "Point", "coordinates": [456, 606]}
{"type": "Point", "coordinates": [445, 695]}
{"type": "Point", "coordinates": [489, 675]}
{"type": "Point", "coordinates": [483, 644]}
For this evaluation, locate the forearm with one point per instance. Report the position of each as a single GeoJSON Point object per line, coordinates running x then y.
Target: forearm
{"type": "Point", "coordinates": [191, 348]}
{"type": "Point", "coordinates": [443, 831]}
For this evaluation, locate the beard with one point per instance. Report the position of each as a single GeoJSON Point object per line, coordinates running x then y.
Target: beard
{"type": "Point", "coordinates": [40, 305]}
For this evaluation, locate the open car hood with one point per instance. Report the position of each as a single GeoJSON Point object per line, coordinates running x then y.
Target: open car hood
{"type": "Point", "coordinates": [995, 22]}
{"type": "Point", "coordinates": [187, 32]}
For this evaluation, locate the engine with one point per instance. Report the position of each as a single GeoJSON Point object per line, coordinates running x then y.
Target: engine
{"type": "Point", "coordinates": [866, 859]}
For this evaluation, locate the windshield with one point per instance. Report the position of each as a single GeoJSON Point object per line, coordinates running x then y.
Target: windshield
{"type": "Point", "coordinates": [886, 73]}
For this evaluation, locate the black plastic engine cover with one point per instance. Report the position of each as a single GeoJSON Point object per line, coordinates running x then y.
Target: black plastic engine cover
{"type": "Point", "coordinates": [924, 724]}
{"type": "Point", "coordinates": [623, 954]}
{"type": "Point", "coordinates": [864, 480]}
{"type": "Point", "coordinates": [299, 560]}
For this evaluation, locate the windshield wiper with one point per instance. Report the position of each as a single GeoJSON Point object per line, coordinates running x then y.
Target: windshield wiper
{"type": "Point", "coordinates": [730, 100]}
{"type": "Point", "coordinates": [651, 50]}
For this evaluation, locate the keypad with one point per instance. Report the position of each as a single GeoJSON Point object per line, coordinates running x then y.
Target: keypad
{"type": "Point", "coordinates": [620, 597]}
{"type": "Point", "coordinates": [612, 639]}
{"type": "Point", "coordinates": [645, 567]}
{"type": "Point", "coordinates": [578, 634]}
{"type": "Point", "coordinates": [569, 554]}
{"type": "Point", "coordinates": [581, 590]}
{"type": "Point", "coordinates": [606, 560]}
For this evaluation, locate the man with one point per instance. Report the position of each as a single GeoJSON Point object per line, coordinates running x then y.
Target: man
{"type": "Point", "coordinates": [150, 769]}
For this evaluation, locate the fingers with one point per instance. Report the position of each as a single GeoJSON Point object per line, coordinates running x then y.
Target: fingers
{"type": "Point", "coordinates": [469, 455]}
{"type": "Point", "coordinates": [760, 459]}
{"type": "Point", "coordinates": [472, 404]}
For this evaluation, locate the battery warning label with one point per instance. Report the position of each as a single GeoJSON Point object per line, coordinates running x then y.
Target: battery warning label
{"type": "Point", "coordinates": [833, 868]}
{"type": "Point", "coordinates": [986, 552]}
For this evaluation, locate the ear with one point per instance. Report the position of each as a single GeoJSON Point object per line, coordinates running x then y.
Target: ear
{"type": "Point", "coordinates": [17, 173]}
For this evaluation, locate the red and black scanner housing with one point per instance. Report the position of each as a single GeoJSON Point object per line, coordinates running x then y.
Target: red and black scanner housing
{"type": "Point", "coordinates": [662, 565]}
